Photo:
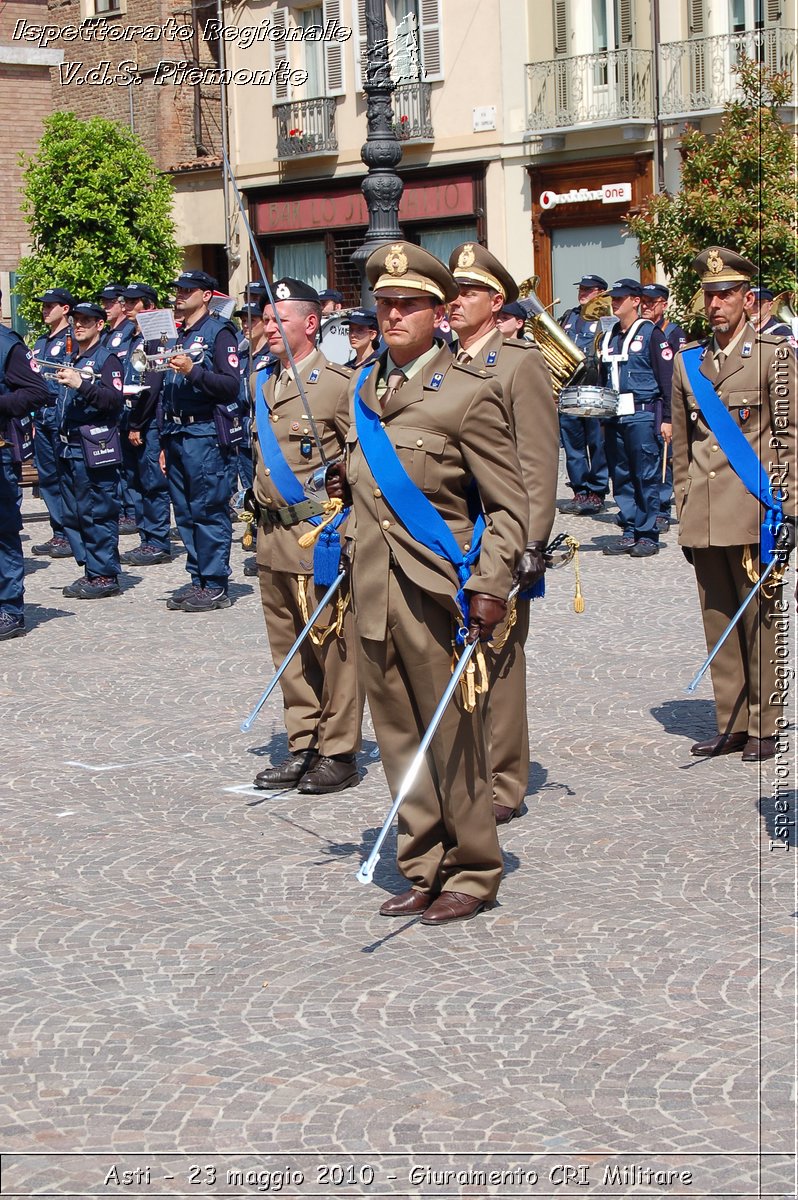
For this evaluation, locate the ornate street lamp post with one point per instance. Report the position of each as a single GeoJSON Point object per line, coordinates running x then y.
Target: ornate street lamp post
{"type": "Point", "coordinates": [382, 151]}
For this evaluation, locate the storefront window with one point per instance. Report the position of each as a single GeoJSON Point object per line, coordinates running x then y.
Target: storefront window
{"type": "Point", "coordinates": [302, 260]}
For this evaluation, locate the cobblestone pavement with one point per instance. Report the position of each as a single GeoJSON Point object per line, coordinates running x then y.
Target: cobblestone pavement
{"type": "Point", "coordinates": [191, 966]}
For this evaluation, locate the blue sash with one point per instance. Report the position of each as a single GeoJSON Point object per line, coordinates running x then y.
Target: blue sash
{"type": "Point", "coordinates": [738, 450]}
{"type": "Point", "coordinates": [327, 550]}
{"type": "Point", "coordinates": [411, 507]}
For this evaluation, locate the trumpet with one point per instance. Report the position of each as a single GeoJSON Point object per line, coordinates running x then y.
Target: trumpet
{"type": "Point", "coordinates": [48, 368]}
{"type": "Point", "coordinates": [161, 360]}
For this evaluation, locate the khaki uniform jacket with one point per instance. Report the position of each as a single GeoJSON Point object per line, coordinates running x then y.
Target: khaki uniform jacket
{"type": "Point", "coordinates": [713, 506]}
{"type": "Point", "coordinates": [327, 398]}
{"type": "Point", "coordinates": [526, 386]}
{"type": "Point", "coordinates": [445, 436]}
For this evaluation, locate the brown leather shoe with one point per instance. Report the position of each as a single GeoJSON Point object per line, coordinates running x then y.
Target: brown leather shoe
{"type": "Point", "coordinates": [724, 743]}
{"type": "Point", "coordinates": [406, 904]}
{"type": "Point", "coordinates": [288, 772]}
{"type": "Point", "coordinates": [758, 749]}
{"type": "Point", "coordinates": [452, 906]}
{"type": "Point", "coordinates": [504, 814]}
{"type": "Point", "coordinates": [330, 775]}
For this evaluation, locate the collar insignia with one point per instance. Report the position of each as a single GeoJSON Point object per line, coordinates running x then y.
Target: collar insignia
{"type": "Point", "coordinates": [746, 350]}
{"type": "Point", "coordinates": [466, 258]}
{"type": "Point", "coordinates": [313, 376]}
{"type": "Point", "coordinates": [491, 358]}
{"type": "Point", "coordinates": [436, 381]}
{"type": "Point", "coordinates": [396, 261]}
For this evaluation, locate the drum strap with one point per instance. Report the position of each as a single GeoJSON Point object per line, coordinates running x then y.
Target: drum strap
{"type": "Point", "coordinates": [614, 360]}
{"type": "Point", "coordinates": [738, 450]}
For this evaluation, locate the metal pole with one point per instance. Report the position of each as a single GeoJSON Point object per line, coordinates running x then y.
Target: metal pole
{"type": "Point", "coordinates": [225, 148]}
{"type": "Point", "coordinates": [660, 181]}
{"type": "Point", "coordinates": [701, 672]}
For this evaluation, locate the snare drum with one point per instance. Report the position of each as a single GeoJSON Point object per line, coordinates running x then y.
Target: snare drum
{"type": "Point", "coordinates": [588, 402]}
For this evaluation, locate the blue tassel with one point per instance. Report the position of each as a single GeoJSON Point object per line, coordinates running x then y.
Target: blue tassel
{"type": "Point", "coordinates": [536, 592]}
{"type": "Point", "coordinates": [326, 556]}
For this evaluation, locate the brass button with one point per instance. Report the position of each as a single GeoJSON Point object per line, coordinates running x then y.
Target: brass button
{"type": "Point", "coordinates": [386, 524]}
{"type": "Point", "coordinates": [711, 474]}
{"type": "Point", "coordinates": [382, 424]}
{"type": "Point", "coordinates": [275, 417]}
{"type": "Point", "coordinates": [267, 470]}
{"type": "Point", "coordinates": [268, 500]}
{"type": "Point", "coordinates": [420, 442]}
{"type": "Point", "coordinates": [306, 431]}
{"type": "Point", "coordinates": [467, 546]}
{"type": "Point", "coordinates": [377, 493]}
{"type": "Point", "coordinates": [714, 447]}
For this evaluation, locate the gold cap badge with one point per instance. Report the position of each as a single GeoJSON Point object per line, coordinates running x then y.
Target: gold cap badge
{"type": "Point", "coordinates": [467, 257]}
{"type": "Point", "coordinates": [396, 261]}
{"type": "Point", "coordinates": [714, 262]}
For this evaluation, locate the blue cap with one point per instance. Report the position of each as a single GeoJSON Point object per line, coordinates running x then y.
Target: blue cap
{"type": "Point", "coordinates": [111, 291]}
{"type": "Point", "coordinates": [331, 294]}
{"type": "Point", "coordinates": [57, 296]}
{"type": "Point", "coordinates": [655, 291]}
{"type": "Point", "coordinates": [362, 316]}
{"type": "Point", "coordinates": [592, 281]}
{"type": "Point", "coordinates": [253, 309]}
{"type": "Point", "coordinates": [514, 310]}
{"type": "Point", "coordinates": [190, 280]}
{"type": "Point", "coordinates": [625, 287]}
{"type": "Point", "coordinates": [763, 293]}
{"type": "Point", "coordinates": [139, 291]}
{"type": "Point", "coordinates": [87, 308]}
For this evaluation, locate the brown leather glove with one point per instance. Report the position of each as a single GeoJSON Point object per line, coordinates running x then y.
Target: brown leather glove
{"type": "Point", "coordinates": [531, 566]}
{"type": "Point", "coordinates": [484, 614]}
{"type": "Point", "coordinates": [336, 483]}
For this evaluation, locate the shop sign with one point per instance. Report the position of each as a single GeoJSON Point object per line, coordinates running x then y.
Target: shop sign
{"type": "Point", "coordinates": [324, 210]}
{"type": "Point", "coordinates": [608, 193]}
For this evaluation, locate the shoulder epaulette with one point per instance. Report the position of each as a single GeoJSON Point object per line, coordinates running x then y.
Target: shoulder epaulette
{"type": "Point", "coordinates": [339, 369]}
{"type": "Point", "coordinates": [471, 369]}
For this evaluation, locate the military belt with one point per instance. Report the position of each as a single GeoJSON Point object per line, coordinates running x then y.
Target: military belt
{"type": "Point", "coordinates": [292, 514]}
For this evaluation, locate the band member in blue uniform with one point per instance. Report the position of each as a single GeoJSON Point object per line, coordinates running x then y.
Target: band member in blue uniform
{"type": "Point", "coordinates": [22, 392]}
{"type": "Point", "coordinates": [89, 406]}
{"type": "Point", "coordinates": [762, 317]}
{"type": "Point", "coordinates": [200, 398]}
{"type": "Point", "coordinates": [634, 364]}
{"type": "Point", "coordinates": [583, 439]}
{"type": "Point", "coordinates": [653, 305]}
{"type": "Point", "coordinates": [118, 336]}
{"type": "Point", "coordinates": [55, 346]}
{"type": "Point", "coordinates": [143, 440]}
{"type": "Point", "coordinates": [364, 336]}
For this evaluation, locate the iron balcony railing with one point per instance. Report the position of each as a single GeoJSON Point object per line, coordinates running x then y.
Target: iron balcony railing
{"type": "Point", "coordinates": [698, 75]}
{"type": "Point", "coordinates": [306, 127]}
{"type": "Point", "coordinates": [589, 89]}
{"type": "Point", "coordinates": [412, 116]}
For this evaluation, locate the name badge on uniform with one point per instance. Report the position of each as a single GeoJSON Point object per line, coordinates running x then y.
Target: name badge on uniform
{"type": "Point", "coordinates": [491, 358]}
{"type": "Point", "coordinates": [746, 350]}
{"type": "Point", "coordinates": [313, 376]}
{"type": "Point", "coordinates": [436, 381]}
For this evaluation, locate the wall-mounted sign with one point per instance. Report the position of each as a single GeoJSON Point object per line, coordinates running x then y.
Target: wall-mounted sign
{"type": "Point", "coordinates": [484, 118]}
{"type": "Point", "coordinates": [608, 193]}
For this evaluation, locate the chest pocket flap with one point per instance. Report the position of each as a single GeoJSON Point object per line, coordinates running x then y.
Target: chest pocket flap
{"type": "Point", "coordinates": [421, 453]}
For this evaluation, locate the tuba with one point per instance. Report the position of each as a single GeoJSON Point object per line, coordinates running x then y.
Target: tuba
{"type": "Point", "coordinates": [563, 357]}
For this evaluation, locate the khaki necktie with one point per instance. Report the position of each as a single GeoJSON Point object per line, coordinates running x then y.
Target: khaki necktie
{"type": "Point", "coordinates": [394, 381]}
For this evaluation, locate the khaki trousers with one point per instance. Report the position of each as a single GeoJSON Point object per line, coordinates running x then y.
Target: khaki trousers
{"type": "Point", "coordinates": [322, 696]}
{"type": "Point", "coordinates": [505, 715]}
{"type": "Point", "coordinates": [447, 832]}
{"type": "Point", "coordinates": [743, 675]}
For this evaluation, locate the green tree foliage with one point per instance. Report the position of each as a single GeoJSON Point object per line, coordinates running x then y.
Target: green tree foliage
{"type": "Point", "coordinates": [738, 191]}
{"type": "Point", "coordinates": [98, 212]}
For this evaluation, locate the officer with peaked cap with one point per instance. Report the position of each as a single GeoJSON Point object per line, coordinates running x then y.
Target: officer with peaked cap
{"type": "Point", "coordinates": [752, 380]}
{"type": "Point", "coordinates": [583, 437]}
{"type": "Point", "coordinates": [200, 406]}
{"type": "Point", "coordinates": [446, 425]}
{"type": "Point", "coordinates": [485, 286]}
{"type": "Point", "coordinates": [57, 345]}
{"type": "Point", "coordinates": [322, 698]}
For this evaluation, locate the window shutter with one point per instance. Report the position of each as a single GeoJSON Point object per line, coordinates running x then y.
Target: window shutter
{"type": "Point", "coordinates": [431, 47]}
{"type": "Point", "coordinates": [774, 12]}
{"type": "Point", "coordinates": [697, 22]}
{"type": "Point", "coordinates": [281, 91]}
{"type": "Point", "coordinates": [625, 22]}
{"type": "Point", "coordinates": [333, 51]}
{"type": "Point", "coordinates": [560, 26]}
{"type": "Point", "coordinates": [359, 37]}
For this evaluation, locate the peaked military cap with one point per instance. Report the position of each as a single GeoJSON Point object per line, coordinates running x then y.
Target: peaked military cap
{"type": "Point", "coordinates": [57, 296]}
{"type": "Point", "coordinates": [719, 269]}
{"type": "Point", "coordinates": [472, 263]}
{"type": "Point", "coordinates": [401, 267]}
{"type": "Point", "coordinates": [655, 291]}
{"type": "Point", "coordinates": [139, 291]}
{"type": "Point", "coordinates": [625, 287]}
{"type": "Point", "coordinates": [88, 308]}
{"type": "Point", "coordinates": [190, 280]}
{"type": "Point", "coordinates": [294, 289]}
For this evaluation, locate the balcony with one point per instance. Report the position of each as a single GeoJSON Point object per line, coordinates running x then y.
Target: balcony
{"type": "Point", "coordinates": [608, 88]}
{"type": "Point", "coordinates": [306, 128]}
{"type": "Point", "coordinates": [412, 119]}
{"type": "Point", "coordinates": [697, 76]}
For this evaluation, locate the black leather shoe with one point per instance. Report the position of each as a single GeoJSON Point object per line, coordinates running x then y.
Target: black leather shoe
{"type": "Point", "coordinates": [724, 743]}
{"type": "Point", "coordinates": [330, 775]}
{"type": "Point", "coordinates": [406, 904]}
{"type": "Point", "coordinates": [288, 772]}
{"type": "Point", "coordinates": [759, 749]}
{"type": "Point", "coordinates": [452, 906]}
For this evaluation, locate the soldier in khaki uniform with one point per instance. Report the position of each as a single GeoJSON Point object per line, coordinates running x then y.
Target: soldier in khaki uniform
{"type": "Point", "coordinates": [754, 376]}
{"type": "Point", "coordinates": [485, 286]}
{"type": "Point", "coordinates": [321, 695]}
{"type": "Point", "coordinates": [448, 427]}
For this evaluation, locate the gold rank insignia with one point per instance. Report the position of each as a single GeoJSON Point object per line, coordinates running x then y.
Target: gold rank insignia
{"type": "Point", "coordinates": [396, 261]}
{"type": "Point", "coordinates": [714, 262]}
{"type": "Point", "coordinates": [467, 257]}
